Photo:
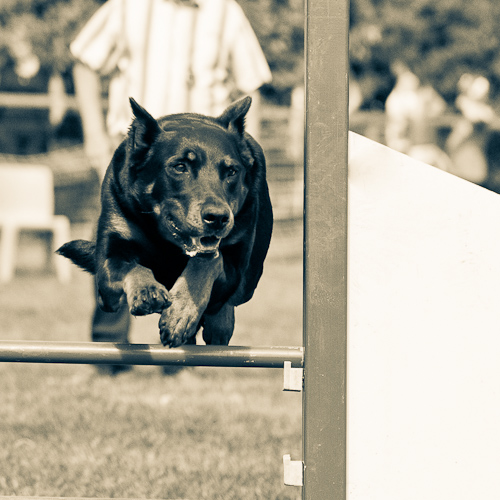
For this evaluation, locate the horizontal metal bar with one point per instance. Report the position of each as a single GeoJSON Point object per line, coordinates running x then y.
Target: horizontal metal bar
{"type": "Point", "coordinates": [148, 354]}
{"type": "Point", "coordinates": [17, 497]}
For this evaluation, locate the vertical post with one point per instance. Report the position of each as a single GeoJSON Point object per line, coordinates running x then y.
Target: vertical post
{"type": "Point", "coordinates": [325, 250]}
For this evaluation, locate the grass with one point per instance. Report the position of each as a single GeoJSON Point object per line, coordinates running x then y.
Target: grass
{"type": "Point", "coordinates": [204, 433]}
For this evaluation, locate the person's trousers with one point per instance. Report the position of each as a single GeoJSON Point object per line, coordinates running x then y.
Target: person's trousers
{"type": "Point", "coordinates": [111, 327]}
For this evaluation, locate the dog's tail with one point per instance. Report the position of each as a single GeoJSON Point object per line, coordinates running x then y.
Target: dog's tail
{"type": "Point", "coordinates": [81, 252]}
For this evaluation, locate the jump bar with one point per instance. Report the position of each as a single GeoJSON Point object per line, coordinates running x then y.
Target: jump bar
{"type": "Point", "coordinates": [148, 354]}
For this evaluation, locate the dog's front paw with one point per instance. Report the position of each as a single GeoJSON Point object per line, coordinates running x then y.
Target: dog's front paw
{"type": "Point", "coordinates": [178, 323]}
{"type": "Point", "coordinates": [152, 298]}
{"type": "Point", "coordinates": [144, 294]}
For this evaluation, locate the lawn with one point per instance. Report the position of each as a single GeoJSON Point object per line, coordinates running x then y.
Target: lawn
{"type": "Point", "coordinates": [203, 433]}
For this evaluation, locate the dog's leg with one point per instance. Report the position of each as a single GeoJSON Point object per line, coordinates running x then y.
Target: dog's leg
{"type": "Point", "coordinates": [190, 296]}
{"type": "Point", "coordinates": [144, 294]}
{"type": "Point", "coordinates": [110, 286]}
{"type": "Point", "coordinates": [218, 328]}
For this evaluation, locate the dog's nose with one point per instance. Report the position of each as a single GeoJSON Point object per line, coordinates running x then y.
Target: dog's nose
{"type": "Point", "coordinates": [216, 217]}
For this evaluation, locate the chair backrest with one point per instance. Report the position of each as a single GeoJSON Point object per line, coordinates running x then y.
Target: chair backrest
{"type": "Point", "coordinates": [26, 192]}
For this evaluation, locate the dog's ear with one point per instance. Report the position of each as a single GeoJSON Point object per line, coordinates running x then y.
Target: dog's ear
{"type": "Point", "coordinates": [144, 128]}
{"type": "Point", "coordinates": [233, 118]}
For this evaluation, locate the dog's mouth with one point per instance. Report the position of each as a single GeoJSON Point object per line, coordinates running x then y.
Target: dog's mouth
{"type": "Point", "coordinates": [194, 245]}
{"type": "Point", "coordinates": [202, 245]}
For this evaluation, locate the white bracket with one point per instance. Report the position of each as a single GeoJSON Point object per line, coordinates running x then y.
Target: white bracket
{"type": "Point", "coordinates": [292, 378]}
{"type": "Point", "coordinates": [293, 471]}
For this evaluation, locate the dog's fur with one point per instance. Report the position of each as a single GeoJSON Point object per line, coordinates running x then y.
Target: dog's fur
{"type": "Point", "coordinates": [185, 223]}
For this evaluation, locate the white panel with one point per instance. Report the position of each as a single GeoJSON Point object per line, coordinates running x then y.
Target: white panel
{"type": "Point", "coordinates": [424, 331]}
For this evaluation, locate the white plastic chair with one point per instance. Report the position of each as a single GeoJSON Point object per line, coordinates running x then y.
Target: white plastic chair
{"type": "Point", "coordinates": [27, 202]}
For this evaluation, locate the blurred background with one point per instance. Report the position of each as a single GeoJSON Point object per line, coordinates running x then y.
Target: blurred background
{"type": "Point", "coordinates": [424, 80]}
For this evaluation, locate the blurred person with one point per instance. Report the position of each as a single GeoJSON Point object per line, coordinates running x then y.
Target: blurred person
{"type": "Point", "coordinates": [468, 140]}
{"type": "Point", "coordinates": [171, 56]}
{"type": "Point", "coordinates": [410, 109]}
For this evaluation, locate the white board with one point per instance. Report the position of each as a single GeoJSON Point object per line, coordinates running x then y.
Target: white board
{"type": "Point", "coordinates": [424, 331]}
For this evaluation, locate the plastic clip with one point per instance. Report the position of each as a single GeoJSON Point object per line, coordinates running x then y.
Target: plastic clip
{"type": "Point", "coordinates": [292, 378]}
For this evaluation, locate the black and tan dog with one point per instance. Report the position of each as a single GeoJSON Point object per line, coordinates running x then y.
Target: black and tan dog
{"type": "Point", "coordinates": [185, 223]}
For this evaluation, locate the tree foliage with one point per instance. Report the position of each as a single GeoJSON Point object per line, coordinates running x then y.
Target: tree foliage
{"type": "Point", "coordinates": [442, 40]}
{"type": "Point", "coordinates": [438, 40]}
{"type": "Point", "coordinates": [48, 26]}
{"type": "Point", "coordinates": [279, 25]}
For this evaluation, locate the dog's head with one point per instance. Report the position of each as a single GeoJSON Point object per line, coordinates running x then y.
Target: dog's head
{"type": "Point", "coordinates": [190, 172]}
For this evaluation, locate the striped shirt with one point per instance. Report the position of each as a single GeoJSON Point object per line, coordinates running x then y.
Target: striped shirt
{"type": "Point", "coordinates": [171, 56]}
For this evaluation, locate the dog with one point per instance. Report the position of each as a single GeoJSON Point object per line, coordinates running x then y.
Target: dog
{"type": "Point", "coordinates": [185, 223]}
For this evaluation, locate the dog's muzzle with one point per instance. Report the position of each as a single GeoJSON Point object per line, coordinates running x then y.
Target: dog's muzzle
{"type": "Point", "coordinates": [215, 222]}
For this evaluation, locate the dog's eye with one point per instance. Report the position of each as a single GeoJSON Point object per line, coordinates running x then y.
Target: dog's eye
{"type": "Point", "coordinates": [230, 171]}
{"type": "Point", "coordinates": [179, 168]}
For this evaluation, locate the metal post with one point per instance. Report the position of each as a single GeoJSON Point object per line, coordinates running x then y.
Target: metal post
{"type": "Point", "coordinates": [325, 250]}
